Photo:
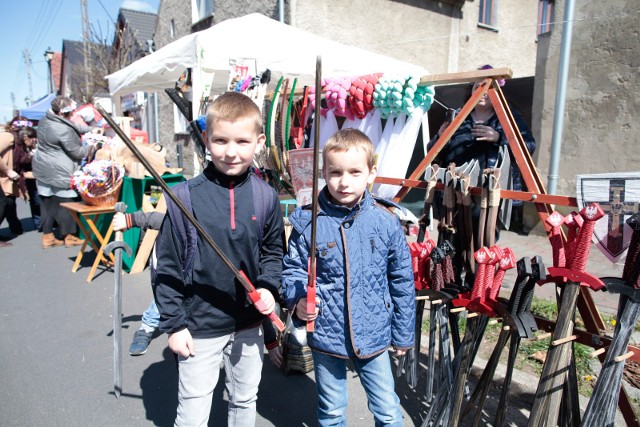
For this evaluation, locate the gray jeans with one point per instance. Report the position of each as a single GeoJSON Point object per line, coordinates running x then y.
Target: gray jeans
{"type": "Point", "coordinates": [242, 353]}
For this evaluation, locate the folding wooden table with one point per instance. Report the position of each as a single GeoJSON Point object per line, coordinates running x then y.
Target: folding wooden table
{"type": "Point", "coordinates": [93, 236]}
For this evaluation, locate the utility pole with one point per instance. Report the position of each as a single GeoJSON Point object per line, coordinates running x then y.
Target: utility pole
{"type": "Point", "coordinates": [86, 39]}
{"type": "Point", "coordinates": [27, 61]}
{"type": "Point", "coordinates": [13, 104]}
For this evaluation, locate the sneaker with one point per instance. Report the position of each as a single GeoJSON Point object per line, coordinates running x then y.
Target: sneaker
{"type": "Point", "coordinates": [141, 340]}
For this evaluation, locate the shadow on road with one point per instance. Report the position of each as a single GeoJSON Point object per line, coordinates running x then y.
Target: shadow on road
{"type": "Point", "coordinates": [282, 400]}
{"type": "Point", "coordinates": [159, 384]}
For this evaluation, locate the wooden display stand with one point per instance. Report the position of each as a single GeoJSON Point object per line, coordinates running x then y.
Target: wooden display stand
{"type": "Point", "coordinates": [150, 236]}
{"type": "Point", "coordinates": [594, 325]}
{"type": "Point", "coordinates": [92, 235]}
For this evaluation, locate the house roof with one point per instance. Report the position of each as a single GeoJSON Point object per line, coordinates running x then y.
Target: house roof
{"type": "Point", "coordinates": [73, 51]}
{"type": "Point", "coordinates": [56, 69]}
{"type": "Point", "coordinates": [142, 24]}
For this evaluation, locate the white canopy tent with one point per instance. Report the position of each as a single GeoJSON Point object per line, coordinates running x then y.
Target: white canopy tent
{"type": "Point", "coordinates": [273, 45]}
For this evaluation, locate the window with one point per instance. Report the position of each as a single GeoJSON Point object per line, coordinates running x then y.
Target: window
{"type": "Point", "coordinates": [201, 9]}
{"type": "Point", "coordinates": [488, 9]}
{"type": "Point", "coordinates": [545, 16]}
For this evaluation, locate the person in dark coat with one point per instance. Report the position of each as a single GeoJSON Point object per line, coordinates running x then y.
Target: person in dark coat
{"type": "Point", "coordinates": [58, 155]}
{"type": "Point", "coordinates": [206, 311]}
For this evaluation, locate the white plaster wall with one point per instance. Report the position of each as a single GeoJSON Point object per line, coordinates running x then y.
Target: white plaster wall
{"type": "Point", "coordinates": [601, 127]}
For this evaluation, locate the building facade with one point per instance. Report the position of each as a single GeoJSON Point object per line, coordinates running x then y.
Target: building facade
{"type": "Point", "coordinates": [442, 36]}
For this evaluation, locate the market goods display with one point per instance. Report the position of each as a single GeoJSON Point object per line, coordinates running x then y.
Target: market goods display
{"type": "Point", "coordinates": [99, 182]}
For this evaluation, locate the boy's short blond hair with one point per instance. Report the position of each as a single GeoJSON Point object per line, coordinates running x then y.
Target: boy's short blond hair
{"type": "Point", "coordinates": [232, 106]}
{"type": "Point", "coordinates": [345, 139]}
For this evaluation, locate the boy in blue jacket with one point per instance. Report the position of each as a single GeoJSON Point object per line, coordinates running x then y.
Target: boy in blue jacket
{"type": "Point", "coordinates": [365, 291]}
{"type": "Point", "coordinates": [203, 308]}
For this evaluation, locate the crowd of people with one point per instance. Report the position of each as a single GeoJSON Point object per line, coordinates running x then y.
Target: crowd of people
{"type": "Point", "coordinates": [364, 306]}
{"type": "Point", "coordinates": [37, 165]}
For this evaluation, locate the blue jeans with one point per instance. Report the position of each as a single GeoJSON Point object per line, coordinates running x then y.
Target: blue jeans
{"type": "Point", "coordinates": [151, 316]}
{"type": "Point", "coordinates": [376, 378]}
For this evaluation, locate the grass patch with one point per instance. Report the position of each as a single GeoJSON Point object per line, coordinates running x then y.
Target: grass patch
{"type": "Point", "coordinates": [544, 308]}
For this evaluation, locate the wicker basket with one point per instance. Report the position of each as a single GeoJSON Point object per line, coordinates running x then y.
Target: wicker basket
{"type": "Point", "coordinates": [109, 198]}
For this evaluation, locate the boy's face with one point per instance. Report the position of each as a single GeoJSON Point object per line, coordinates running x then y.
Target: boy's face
{"type": "Point", "coordinates": [232, 145]}
{"type": "Point", "coordinates": [347, 175]}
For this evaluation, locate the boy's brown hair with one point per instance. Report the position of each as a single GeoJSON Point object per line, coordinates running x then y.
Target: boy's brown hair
{"type": "Point", "coordinates": [232, 106]}
{"type": "Point", "coordinates": [345, 139]}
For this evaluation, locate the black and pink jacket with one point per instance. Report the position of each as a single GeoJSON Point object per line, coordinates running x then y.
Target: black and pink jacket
{"type": "Point", "coordinates": [213, 303]}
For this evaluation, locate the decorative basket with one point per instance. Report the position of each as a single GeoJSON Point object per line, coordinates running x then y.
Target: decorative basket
{"type": "Point", "coordinates": [109, 198]}
{"type": "Point", "coordinates": [99, 182]}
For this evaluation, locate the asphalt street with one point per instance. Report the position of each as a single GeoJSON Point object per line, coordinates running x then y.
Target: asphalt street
{"type": "Point", "coordinates": [56, 352]}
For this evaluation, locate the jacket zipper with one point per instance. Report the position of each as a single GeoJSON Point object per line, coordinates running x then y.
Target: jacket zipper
{"type": "Point", "coordinates": [232, 208]}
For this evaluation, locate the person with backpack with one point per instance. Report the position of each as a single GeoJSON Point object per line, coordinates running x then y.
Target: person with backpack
{"type": "Point", "coordinates": [151, 316]}
{"type": "Point", "coordinates": [203, 307]}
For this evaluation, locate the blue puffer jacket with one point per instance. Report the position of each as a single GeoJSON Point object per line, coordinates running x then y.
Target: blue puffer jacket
{"type": "Point", "coordinates": [368, 304]}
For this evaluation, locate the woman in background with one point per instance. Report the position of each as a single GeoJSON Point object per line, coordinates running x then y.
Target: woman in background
{"type": "Point", "coordinates": [57, 157]}
{"type": "Point", "coordinates": [8, 188]}
{"type": "Point", "coordinates": [22, 156]}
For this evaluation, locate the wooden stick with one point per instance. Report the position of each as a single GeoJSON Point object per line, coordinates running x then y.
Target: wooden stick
{"type": "Point", "coordinates": [494, 321]}
{"type": "Point", "coordinates": [564, 340]}
{"type": "Point", "coordinates": [422, 298]}
{"type": "Point", "coordinates": [506, 328]}
{"type": "Point", "coordinates": [543, 336]}
{"type": "Point", "coordinates": [436, 301]}
{"type": "Point", "coordinates": [597, 352]}
{"type": "Point", "coordinates": [472, 315]}
{"type": "Point", "coordinates": [457, 310]}
{"type": "Point", "coordinates": [623, 356]}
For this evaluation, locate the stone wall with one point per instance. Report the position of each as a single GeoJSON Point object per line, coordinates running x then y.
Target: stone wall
{"type": "Point", "coordinates": [601, 129]}
{"type": "Point", "coordinates": [180, 12]}
{"type": "Point", "coordinates": [439, 36]}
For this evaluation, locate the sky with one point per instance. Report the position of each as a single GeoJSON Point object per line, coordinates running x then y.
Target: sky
{"type": "Point", "coordinates": [36, 25]}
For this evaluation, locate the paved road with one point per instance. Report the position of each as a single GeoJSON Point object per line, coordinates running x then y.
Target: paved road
{"type": "Point", "coordinates": [56, 353]}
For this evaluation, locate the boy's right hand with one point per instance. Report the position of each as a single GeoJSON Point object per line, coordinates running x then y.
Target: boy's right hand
{"type": "Point", "coordinates": [301, 310]}
{"type": "Point", "coordinates": [119, 222]}
{"type": "Point", "coordinates": [181, 343]}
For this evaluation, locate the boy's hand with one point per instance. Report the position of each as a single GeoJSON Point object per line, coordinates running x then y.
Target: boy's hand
{"type": "Point", "coordinates": [301, 310]}
{"type": "Point", "coordinates": [399, 352]}
{"type": "Point", "coordinates": [119, 222]}
{"type": "Point", "coordinates": [181, 343]}
{"type": "Point", "coordinates": [275, 356]}
{"type": "Point", "coordinates": [268, 300]}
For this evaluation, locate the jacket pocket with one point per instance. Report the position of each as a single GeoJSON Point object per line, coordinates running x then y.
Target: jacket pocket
{"type": "Point", "coordinates": [328, 262]}
{"type": "Point", "coordinates": [376, 251]}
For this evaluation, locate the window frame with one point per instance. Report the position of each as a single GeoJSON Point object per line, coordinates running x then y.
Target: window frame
{"type": "Point", "coordinates": [546, 9]}
{"type": "Point", "coordinates": [488, 14]}
{"type": "Point", "coordinates": [201, 10]}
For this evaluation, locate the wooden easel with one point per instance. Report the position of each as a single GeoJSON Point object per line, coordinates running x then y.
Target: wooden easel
{"type": "Point", "coordinates": [149, 237]}
{"type": "Point", "coordinates": [594, 325]}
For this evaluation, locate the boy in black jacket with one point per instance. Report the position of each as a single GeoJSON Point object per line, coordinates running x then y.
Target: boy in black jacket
{"type": "Point", "coordinates": [151, 317]}
{"type": "Point", "coordinates": [204, 309]}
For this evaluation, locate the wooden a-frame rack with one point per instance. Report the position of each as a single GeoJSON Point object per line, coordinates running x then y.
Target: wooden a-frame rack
{"type": "Point", "coordinates": [592, 335]}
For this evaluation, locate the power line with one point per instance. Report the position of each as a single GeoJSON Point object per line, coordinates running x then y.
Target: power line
{"type": "Point", "coordinates": [106, 12]}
